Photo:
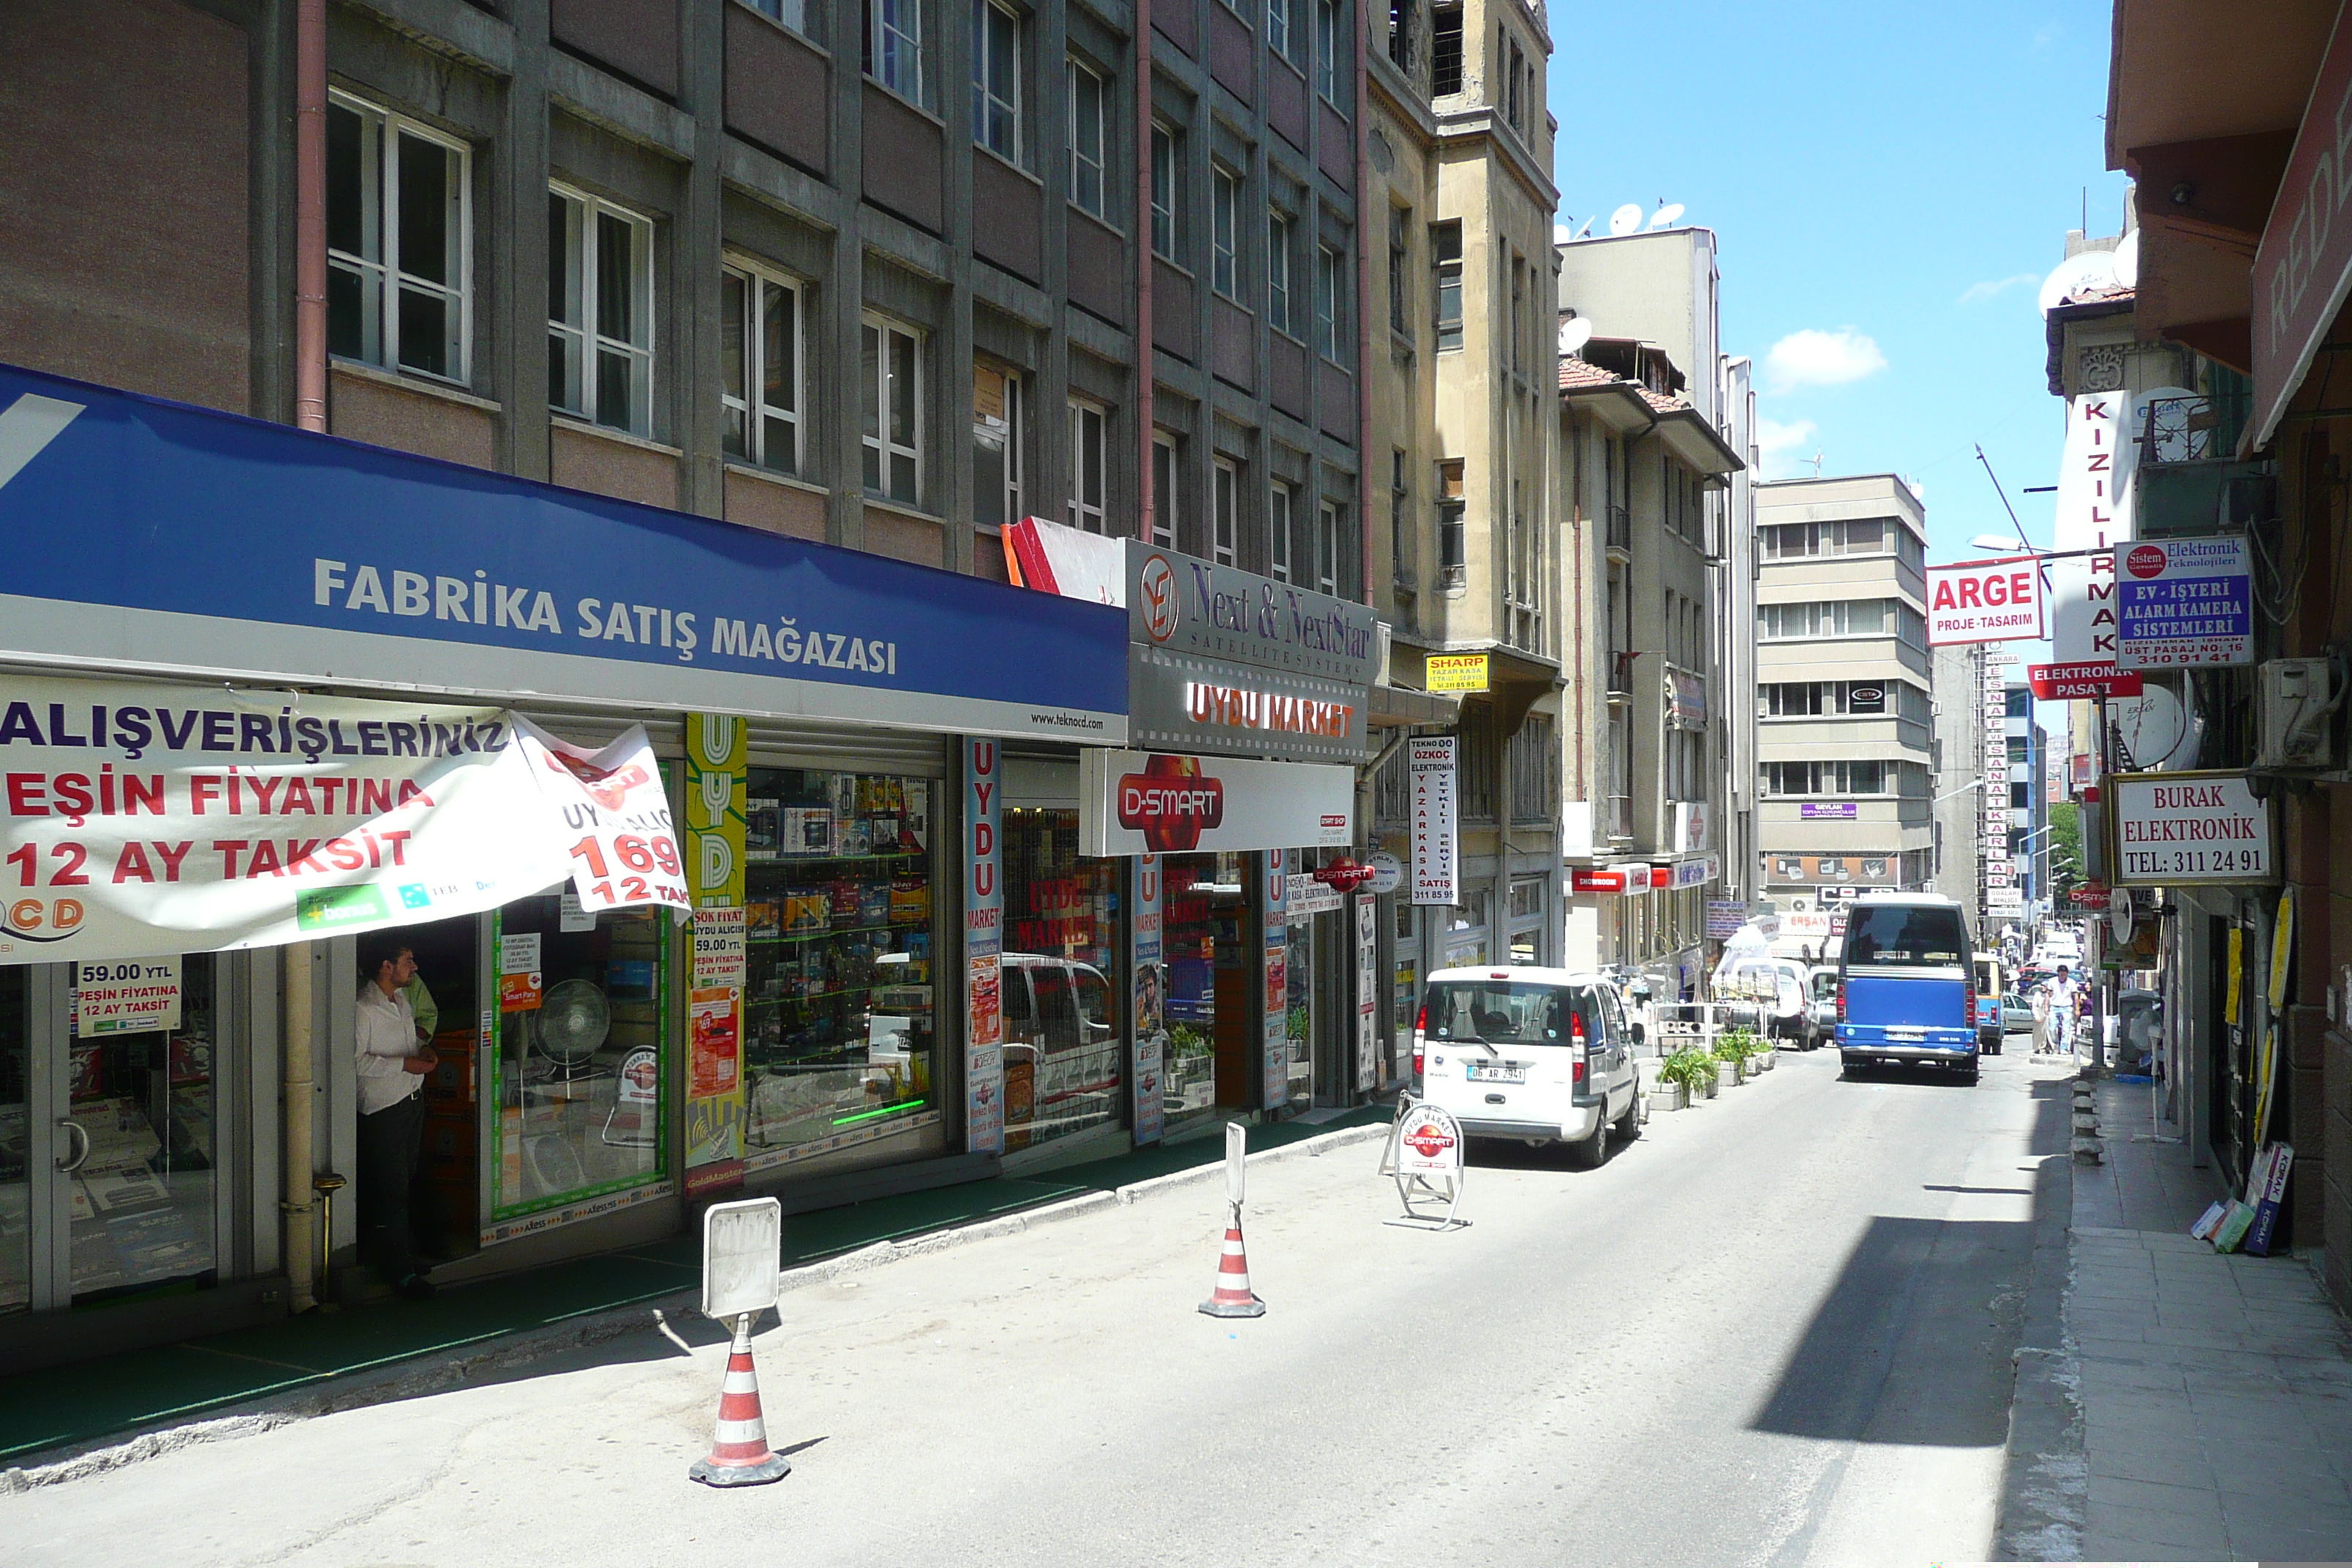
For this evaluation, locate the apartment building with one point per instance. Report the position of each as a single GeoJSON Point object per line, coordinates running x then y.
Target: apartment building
{"type": "Point", "coordinates": [1640, 473]}
{"type": "Point", "coordinates": [1843, 699]}
{"type": "Point", "coordinates": [1460, 146]}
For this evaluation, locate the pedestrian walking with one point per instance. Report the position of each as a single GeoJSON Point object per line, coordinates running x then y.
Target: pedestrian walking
{"type": "Point", "coordinates": [391, 1062]}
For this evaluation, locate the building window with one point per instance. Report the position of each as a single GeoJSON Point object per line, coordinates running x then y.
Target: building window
{"type": "Point", "coordinates": [1277, 274]}
{"type": "Point", "coordinates": [1224, 515]}
{"type": "Point", "coordinates": [1086, 139]}
{"type": "Point", "coordinates": [996, 79]}
{"type": "Point", "coordinates": [1452, 560]}
{"type": "Point", "coordinates": [1446, 267]}
{"type": "Point", "coordinates": [1330, 303]}
{"type": "Point", "coordinates": [793, 13]}
{"type": "Point", "coordinates": [600, 298]}
{"type": "Point", "coordinates": [1278, 521]}
{"type": "Point", "coordinates": [1090, 462]}
{"type": "Point", "coordinates": [1401, 34]}
{"type": "Point", "coordinates": [1224, 238]}
{"type": "Point", "coordinates": [760, 368]}
{"type": "Point", "coordinates": [894, 46]}
{"type": "Point", "coordinates": [1838, 618]}
{"type": "Point", "coordinates": [1327, 49]}
{"type": "Point", "coordinates": [1445, 52]}
{"type": "Point", "coordinates": [1400, 518]}
{"type": "Point", "coordinates": [1510, 51]}
{"type": "Point", "coordinates": [1163, 490]}
{"type": "Point", "coordinates": [1277, 26]}
{"type": "Point", "coordinates": [1164, 192]}
{"type": "Point", "coordinates": [1519, 316]}
{"type": "Point", "coordinates": [1327, 547]}
{"type": "Point", "coordinates": [398, 234]}
{"type": "Point", "coordinates": [1855, 536]}
{"type": "Point", "coordinates": [1399, 262]}
{"type": "Point", "coordinates": [893, 357]}
{"type": "Point", "coordinates": [999, 436]}
{"type": "Point", "coordinates": [1831, 778]}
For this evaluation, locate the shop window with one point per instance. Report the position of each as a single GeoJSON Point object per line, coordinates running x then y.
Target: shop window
{"type": "Point", "coordinates": [996, 79]}
{"type": "Point", "coordinates": [600, 310]}
{"type": "Point", "coordinates": [142, 1198]}
{"type": "Point", "coordinates": [760, 368]}
{"type": "Point", "coordinates": [583, 1054]}
{"type": "Point", "coordinates": [1064, 1046]}
{"type": "Point", "coordinates": [1000, 432]}
{"type": "Point", "coordinates": [1089, 457]}
{"type": "Point", "coordinates": [837, 1019]}
{"type": "Point", "coordinates": [893, 358]}
{"type": "Point", "coordinates": [15, 1113]}
{"type": "Point", "coordinates": [1212, 971]}
{"type": "Point", "coordinates": [398, 228]}
{"type": "Point", "coordinates": [1298, 1018]}
{"type": "Point", "coordinates": [1086, 139]}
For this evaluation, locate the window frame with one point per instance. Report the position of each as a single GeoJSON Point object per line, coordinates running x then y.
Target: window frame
{"type": "Point", "coordinates": [986, 106]}
{"type": "Point", "coordinates": [1167, 471]}
{"type": "Point", "coordinates": [1446, 284]}
{"type": "Point", "coordinates": [1016, 439]}
{"type": "Point", "coordinates": [1278, 29]}
{"type": "Point", "coordinates": [1330, 303]}
{"type": "Point", "coordinates": [881, 33]}
{"type": "Point", "coordinates": [1280, 231]}
{"type": "Point", "coordinates": [585, 291]}
{"type": "Point", "coordinates": [878, 399]}
{"type": "Point", "coordinates": [1082, 164]}
{"type": "Point", "coordinates": [1327, 546]}
{"type": "Point", "coordinates": [1281, 514]}
{"type": "Point", "coordinates": [751, 403]}
{"type": "Point", "coordinates": [1445, 50]}
{"type": "Point", "coordinates": [1329, 30]}
{"type": "Point", "coordinates": [1452, 521]}
{"type": "Point", "coordinates": [1225, 233]}
{"type": "Point", "coordinates": [1167, 189]}
{"type": "Point", "coordinates": [384, 128]}
{"type": "Point", "coordinates": [793, 13]}
{"type": "Point", "coordinates": [1090, 516]}
{"type": "Point", "coordinates": [1224, 510]}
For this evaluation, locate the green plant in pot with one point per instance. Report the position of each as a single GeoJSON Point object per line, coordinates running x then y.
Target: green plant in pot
{"type": "Point", "coordinates": [1691, 1068]}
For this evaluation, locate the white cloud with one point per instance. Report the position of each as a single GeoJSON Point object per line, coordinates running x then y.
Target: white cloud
{"type": "Point", "coordinates": [1783, 446]}
{"type": "Point", "coordinates": [1991, 287]}
{"type": "Point", "coordinates": [1815, 358]}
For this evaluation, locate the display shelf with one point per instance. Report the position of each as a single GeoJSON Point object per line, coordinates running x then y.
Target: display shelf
{"type": "Point", "coordinates": [775, 858]}
{"type": "Point", "coordinates": [750, 1003]}
{"type": "Point", "coordinates": [836, 931]}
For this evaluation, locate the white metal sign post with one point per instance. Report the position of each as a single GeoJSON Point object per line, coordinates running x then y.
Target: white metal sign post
{"type": "Point", "coordinates": [1424, 1154]}
{"type": "Point", "coordinates": [743, 1253]}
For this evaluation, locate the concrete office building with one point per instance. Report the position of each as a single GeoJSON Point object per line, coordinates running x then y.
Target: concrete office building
{"type": "Point", "coordinates": [1844, 708]}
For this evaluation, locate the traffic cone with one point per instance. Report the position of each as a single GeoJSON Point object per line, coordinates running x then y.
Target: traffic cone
{"type": "Point", "coordinates": [1233, 1296]}
{"type": "Point", "coordinates": [739, 1456]}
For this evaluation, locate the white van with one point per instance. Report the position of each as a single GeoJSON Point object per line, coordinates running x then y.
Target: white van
{"type": "Point", "coordinates": [1541, 1055]}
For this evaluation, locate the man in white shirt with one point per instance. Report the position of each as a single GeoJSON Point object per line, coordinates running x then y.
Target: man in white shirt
{"type": "Point", "coordinates": [391, 1063]}
{"type": "Point", "coordinates": [2062, 1012]}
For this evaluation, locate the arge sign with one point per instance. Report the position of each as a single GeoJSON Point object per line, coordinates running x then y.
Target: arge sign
{"type": "Point", "coordinates": [1984, 601]}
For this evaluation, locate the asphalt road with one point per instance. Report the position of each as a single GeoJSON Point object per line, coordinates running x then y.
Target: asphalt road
{"type": "Point", "coordinates": [1775, 1330]}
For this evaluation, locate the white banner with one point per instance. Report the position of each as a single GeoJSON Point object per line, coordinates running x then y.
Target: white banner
{"type": "Point", "coordinates": [1136, 803]}
{"type": "Point", "coordinates": [622, 845]}
{"type": "Point", "coordinates": [2093, 513]}
{"type": "Point", "coordinates": [1435, 832]}
{"type": "Point", "coordinates": [1984, 601]}
{"type": "Point", "coordinates": [141, 820]}
{"type": "Point", "coordinates": [2187, 829]}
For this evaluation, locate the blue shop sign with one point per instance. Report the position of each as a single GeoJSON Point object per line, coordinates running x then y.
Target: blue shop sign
{"type": "Point", "coordinates": [2184, 602]}
{"type": "Point", "coordinates": [145, 534]}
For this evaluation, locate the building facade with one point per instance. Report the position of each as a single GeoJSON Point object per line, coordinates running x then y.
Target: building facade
{"type": "Point", "coordinates": [1844, 698]}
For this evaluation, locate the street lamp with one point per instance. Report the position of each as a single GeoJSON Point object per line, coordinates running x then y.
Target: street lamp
{"type": "Point", "coordinates": [1972, 784]}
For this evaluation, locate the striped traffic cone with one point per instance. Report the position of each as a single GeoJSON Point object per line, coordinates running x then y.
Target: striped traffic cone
{"type": "Point", "coordinates": [1233, 1296]}
{"type": "Point", "coordinates": [740, 1456]}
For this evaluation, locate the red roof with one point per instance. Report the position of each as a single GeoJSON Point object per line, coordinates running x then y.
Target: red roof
{"type": "Point", "coordinates": [1577, 374]}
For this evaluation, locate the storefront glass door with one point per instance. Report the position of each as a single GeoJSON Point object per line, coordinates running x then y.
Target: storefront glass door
{"type": "Point", "coordinates": [15, 1146]}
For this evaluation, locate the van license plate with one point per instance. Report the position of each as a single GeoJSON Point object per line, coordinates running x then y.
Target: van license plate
{"type": "Point", "coordinates": [1503, 1072]}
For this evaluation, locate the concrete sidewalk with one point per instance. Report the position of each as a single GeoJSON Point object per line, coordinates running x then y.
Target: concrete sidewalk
{"type": "Point", "coordinates": [2214, 1391]}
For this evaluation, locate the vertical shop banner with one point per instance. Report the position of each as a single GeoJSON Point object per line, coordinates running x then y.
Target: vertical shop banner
{"type": "Point", "coordinates": [1368, 982]}
{"type": "Point", "coordinates": [983, 948]}
{"type": "Point", "coordinates": [718, 786]}
{"type": "Point", "coordinates": [2093, 513]}
{"type": "Point", "coordinates": [1430, 771]}
{"type": "Point", "coordinates": [1147, 955]}
{"type": "Point", "coordinates": [1274, 975]}
{"type": "Point", "coordinates": [626, 849]}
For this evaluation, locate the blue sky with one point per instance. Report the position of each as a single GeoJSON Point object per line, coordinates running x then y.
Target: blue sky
{"type": "Point", "coordinates": [1887, 186]}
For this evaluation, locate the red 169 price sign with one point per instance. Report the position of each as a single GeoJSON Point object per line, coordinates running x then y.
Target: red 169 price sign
{"type": "Point", "coordinates": [624, 846]}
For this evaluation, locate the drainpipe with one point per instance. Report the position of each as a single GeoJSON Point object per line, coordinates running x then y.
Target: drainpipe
{"type": "Point", "coordinates": [1365, 235]}
{"type": "Point", "coordinates": [300, 1249]}
{"type": "Point", "coordinates": [1148, 524]}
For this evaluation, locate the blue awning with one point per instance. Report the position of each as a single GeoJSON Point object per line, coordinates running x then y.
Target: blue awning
{"type": "Point", "coordinates": [146, 535]}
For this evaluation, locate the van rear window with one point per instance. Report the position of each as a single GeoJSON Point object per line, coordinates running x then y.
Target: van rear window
{"type": "Point", "coordinates": [1510, 1013]}
{"type": "Point", "coordinates": [1923, 935]}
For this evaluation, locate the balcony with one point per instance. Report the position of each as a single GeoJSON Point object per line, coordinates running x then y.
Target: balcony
{"type": "Point", "coordinates": [1621, 530]}
{"type": "Point", "coordinates": [1618, 818]}
{"type": "Point", "coordinates": [2187, 458]}
{"type": "Point", "coordinates": [1621, 675]}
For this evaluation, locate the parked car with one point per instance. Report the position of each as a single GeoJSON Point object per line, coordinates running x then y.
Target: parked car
{"type": "Point", "coordinates": [1062, 1054]}
{"type": "Point", "coordinates": [1544, 1056]}
{"type": "Point", "coordinates": [1821, 1010]}
{"type": "Point", "coordinates": [1990, 1023]}
{"type": "Point", "coordinates": [1906, 990]}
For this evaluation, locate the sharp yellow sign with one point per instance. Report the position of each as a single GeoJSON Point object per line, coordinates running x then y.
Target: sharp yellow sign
{"type": "Point", "coordinates": [1457, 672]}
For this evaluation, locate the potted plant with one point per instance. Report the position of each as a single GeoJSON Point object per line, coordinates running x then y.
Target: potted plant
{"type": "Point", "coordinates": [1685, 1076]}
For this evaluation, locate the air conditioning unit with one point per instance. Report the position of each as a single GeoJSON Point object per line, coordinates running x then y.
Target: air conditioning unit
{"type": "Point", "coordinates": [2295, 702]}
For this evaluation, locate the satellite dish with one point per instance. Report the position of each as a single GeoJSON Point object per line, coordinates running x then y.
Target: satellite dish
{"type": "Point", "coordinates": [1574, 333]}
{"type": "Point", "coordinates": [1625, 219]}
{"type": "Point", "coordinates": [572, 1023]}
{"type": "Point", "coordinates": [1586, 231]}
{"type": "Point", "coordinates": [2128, 261]}
{"type": "Point", "coordinates": [1666, 215]}
{"type": "Point", "coordinates": [1561, 234]}
{"type": "Point", "coordinates": [2078, 274]}
{"type": "Point", "coordinates": [2119, 914]}
{"type": "Point", "coordinates": [2156, 729]}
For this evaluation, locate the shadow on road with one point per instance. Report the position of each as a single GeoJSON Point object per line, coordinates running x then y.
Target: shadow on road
{"type": "Point", "coordinates": [1913, 1343]}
